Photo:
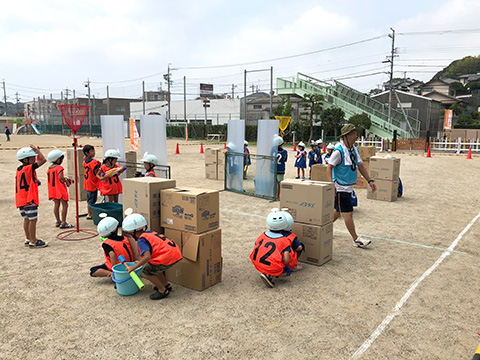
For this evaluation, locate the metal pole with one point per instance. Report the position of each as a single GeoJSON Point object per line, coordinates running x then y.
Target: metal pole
{"type": "Point", "coordinates": [245, 95]}
{"type": "Point", "coordinates": [44, 110]}
{"type": "Point", "coordinates": [185, 99]}
{"type": "Point", "coordinates": [89, 109]}
{"type": "Point", "coordinates": [34, 109]}
{"type": "Point", "coordinates": [271, 91]}
{"type": "Point", "coordinates": [143, 96]}
{"type": "Point", "coordinates": [108, 100]}
{"type": "Point", "coordinates": [205, 106]}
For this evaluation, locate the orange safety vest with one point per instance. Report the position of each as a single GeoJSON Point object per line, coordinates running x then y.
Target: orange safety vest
{"type": "Point", "coordinates": [26, 186]}
{"type": "Point", "coordinates": [119, 248]}
{"type": "Point", "coordinates": [164, 250]}
{"type": "Point", "coordinates": [151, 173]}
{"type": "Point", "coordinates": [91, 180]}
{"type": "Point", "coordinates": [112, 185]}
{"type": "Point", "coordinates": [56, 189]}
{"type": "Point", "coordinates": [267, 255]}
{"type": "Point", "coordinates": [293, 254]}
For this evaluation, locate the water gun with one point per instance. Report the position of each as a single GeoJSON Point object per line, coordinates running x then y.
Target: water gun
{"type": "Point", "coordinates": [113, 172]}
{"type": "Point", "coordinates": [133, 275]}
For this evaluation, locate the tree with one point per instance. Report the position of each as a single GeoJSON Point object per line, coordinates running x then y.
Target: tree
{"type": "Point", "coordinates": [374, 92]}
{"type": "Point", "coordinates": [361, 121]}
{"type": "Point", "coordinates": [332, 119]}
{"type": "Point", "coordinates": [458, 108]}
{"type": "Point", "coordinates": [283, 109]}
{"type": "Point", "coordinates": [313, 105]}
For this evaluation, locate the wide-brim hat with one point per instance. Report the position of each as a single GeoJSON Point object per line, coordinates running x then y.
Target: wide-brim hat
{"type": "Point", "coordinates": [347, 129]}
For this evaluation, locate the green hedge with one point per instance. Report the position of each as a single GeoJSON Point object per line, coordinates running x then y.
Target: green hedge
{"type": "Point", "coordinates": [466, 126]}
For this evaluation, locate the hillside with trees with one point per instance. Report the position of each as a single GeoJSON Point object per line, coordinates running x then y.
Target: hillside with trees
{"type": "Point", "coordinates": [467, 65]}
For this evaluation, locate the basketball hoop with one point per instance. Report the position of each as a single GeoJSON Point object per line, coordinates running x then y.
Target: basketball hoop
{"type": "Point", "coordinates": [74, 115]}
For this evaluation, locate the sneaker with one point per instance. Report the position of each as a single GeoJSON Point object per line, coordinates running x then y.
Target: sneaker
{"type": "Point", "coordinates": [89, 217]}
{"type": "Point", "coordinates": [297, 177]}
{"type": "Point", "coordinates": [168, 287]}
{"type": "Point", "coordinates": [268, 280]}
{"type": "Point", "coordinates": [361, 242]}
{"type": "Point", "coordinates": [38, 244]}
{"type": "Point", "coordinates": [298, 267]}
{"type": "Point", "coordinates": [158, 295]}
{"type": "Point", "coordinates": [27, 242]}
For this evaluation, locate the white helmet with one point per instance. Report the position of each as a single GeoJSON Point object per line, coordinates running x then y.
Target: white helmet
{"type": "Point", "coordinates": [231, 146]}
{"type": "Point", "coordinates": [302, 144]}
{"type": "Point", "coordinates": [133, 222]}
{"type": "Point", "coordinates": [330, 146]}
{"type": "Point", "coordinates": [277, 140]}
{"type": "Point", "coordinates": [276, 220]}
{"type": "Point", "coordinates": [54, 155]}
{"type": "Point", "coordinates": [245, 142]}
{"type": "Point", "coordinates": [25, 152]}
{"type": "Point", "coordinates": [290, 220]}
{"type": "Point", "coordinates": [112, 153]}
{"type": "Point", "coordinates": [319, 141]}
{"type": "Point", "coordinates": [106, 226]}
{"type": "Point", "coordinates": [150, 158]}
{"type": "Point", "coordinates": [313, 143]}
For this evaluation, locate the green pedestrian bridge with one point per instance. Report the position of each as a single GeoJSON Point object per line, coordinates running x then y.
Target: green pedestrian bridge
{"type": "Point", "coordinates": [352, 102]}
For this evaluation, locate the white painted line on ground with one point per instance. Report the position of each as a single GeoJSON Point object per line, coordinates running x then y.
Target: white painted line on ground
{"type": "Point", "coordinates": [361, 350]}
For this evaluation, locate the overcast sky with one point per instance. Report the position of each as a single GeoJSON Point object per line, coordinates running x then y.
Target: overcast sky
{"type": "Point", "coordinates": [47, 46]}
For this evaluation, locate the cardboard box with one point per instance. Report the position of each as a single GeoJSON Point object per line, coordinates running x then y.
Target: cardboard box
{"type": "Point", "coordinates": [211, 171]}
{"type": "Point", "coordinates": [70, 164]}
{"type": "Point", "coordinates": [366, 152]}
{"type": "Point", "coordinates": [220, 171]}
{"type": "Point", "coordinates": [201, 266]}
{"type": "Point", "coordinates": [319, 172]}
{"type": "Point", "coordinates": [192, 210]}
{"type": "Point", "coordinates": [131, 159]}
{"type": "Point", "coordinates": [221, 158]}
{"type": "Point", "coordinates": [175, 235]}
{"type": "Point", "coordinates": [384, 168]}
{"type": "Point", "coordinates": [211, 155]}
{"type": "Point", "coordinates": [386, 190]}
{"type": "Point", "coordinates": [309, 202]}
{"type": "Point", "coordinates": [143, 196]}
{"type": "Point", "coordinates": [318, 242]}
{"type": "Point", "coordinates": [361, 182]}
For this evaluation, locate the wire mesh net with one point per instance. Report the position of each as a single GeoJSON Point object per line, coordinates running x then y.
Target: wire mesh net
{"type": "Point", "coordinates": [74, 115]}
{"type": "Point", "coordinates": [284, 121]}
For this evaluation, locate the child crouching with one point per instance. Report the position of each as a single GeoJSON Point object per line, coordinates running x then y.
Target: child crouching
{"type": "Point", "coordinates": [113, 246]}
{"type": "Point", "coordinates": [272, 252]}
{"type": "Point", "coordinates": [158, 253]}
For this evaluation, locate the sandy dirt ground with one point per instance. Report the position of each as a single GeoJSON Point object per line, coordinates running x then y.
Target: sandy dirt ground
{"type": "Point", "coordinates": [52, 309]}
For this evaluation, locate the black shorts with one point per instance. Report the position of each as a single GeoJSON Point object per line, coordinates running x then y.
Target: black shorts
{"type": "Point", "coordinates": [343, 202]}
{"type": "Point", "coordinates": [91, 197]}
{"type": "Point", "coordinates": [95, 268]}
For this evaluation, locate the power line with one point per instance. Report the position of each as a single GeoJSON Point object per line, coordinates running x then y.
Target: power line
{"type": "Point", "coordinates": [440, 32]}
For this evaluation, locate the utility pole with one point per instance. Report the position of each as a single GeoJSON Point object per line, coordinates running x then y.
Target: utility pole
{"type": "Point", "coordinates": [143, 96]}
{"type": "Point", "coordinates": [391, 57]}
{"type": "Point", "coordinates": [185, 99]}
{"type": "Point", "coordinates": [233, 90]}
{"type": "Point", "coordinates": [245, 95]}
{"type": "Point", "coordinates": [271, 91]}
{"type": "Point", "coordinates": [87, 85]}
{"type": "Point", "coordinates": [17, 99]}
{"type": "Point", "coordinates": [66, 94]}
{"type": "Point", "coordinates": [5, 97]}
{"type": "Point", "coordinates": [108, 101]}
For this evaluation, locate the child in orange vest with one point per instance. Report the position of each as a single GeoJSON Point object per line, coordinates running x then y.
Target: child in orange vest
{"type": "Point", "coordinates": [57, 187]}
{"type": "Point", "coordinates": [111, 186]}
{"type": "Point", "coordinates": [271, 254]}
{"type": "Point", "coordinates": [158, 254]}
{"type": "Point", "coordinates": [26, 193]}
{"type": "Point", "coordinates": [113, 246]}
{"type": "Point", "coordinates": [91, 175]}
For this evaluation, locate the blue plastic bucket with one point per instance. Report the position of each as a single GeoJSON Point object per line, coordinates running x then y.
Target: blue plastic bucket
{"type": "Point", "coordinates": [125, 284]}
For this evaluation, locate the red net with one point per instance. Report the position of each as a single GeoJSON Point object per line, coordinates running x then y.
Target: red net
{"type": "Point", "coordinates": [74, 115]}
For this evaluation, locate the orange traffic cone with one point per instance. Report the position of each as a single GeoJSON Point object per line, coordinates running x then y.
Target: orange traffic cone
{"type": "Point", "coordinates": [324, 150]}
{"type": "Point", "coordinates": [294, 147]}
{"type": "Point", "coordinates": [201, 148]}
{"type": "Point", "coordinates": [177, 152]}
{"type": "Point", "coordinates": [224, 145]}
{"type": "Point", "coordinates": [469, 155]}
{"type": "Point", "coordinates": [429, 154]}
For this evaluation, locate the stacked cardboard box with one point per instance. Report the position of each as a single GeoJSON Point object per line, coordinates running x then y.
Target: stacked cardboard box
{"type": "Point", "coordinates": [214, 164]}
{"type": "Point", "coordinates": [319, 172]}
{"type": "Point", "coordinates": [311, 205]}
{"type": "Point", "coordinates": [143, 196]}
{"type": "Point", "coordinates": [191, 219]}
{"type": "Point", "coordinates": [131, 159]}
{"type": "Point", "coordinates": [70, 173]}
{"type": "Point", "coordinates": [385, 172]}
{"type": "Point", "coordinates": [366, 152]}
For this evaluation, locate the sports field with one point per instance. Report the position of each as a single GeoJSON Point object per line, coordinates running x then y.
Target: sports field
{"type": "Point", "coordinates": [412, 295]}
